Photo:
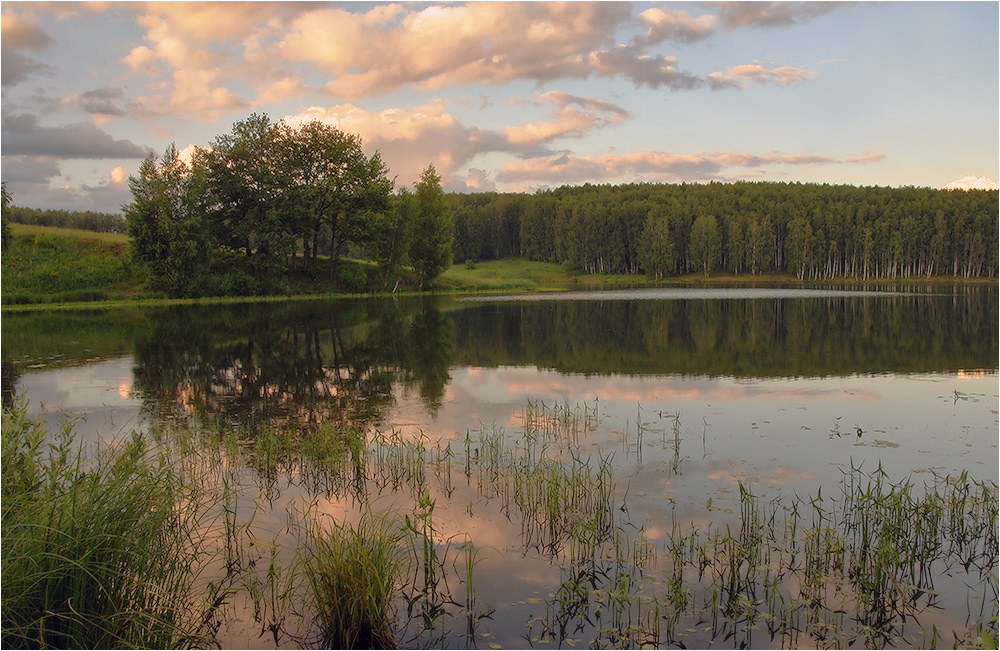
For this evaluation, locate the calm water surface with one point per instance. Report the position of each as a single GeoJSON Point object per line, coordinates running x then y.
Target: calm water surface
{"type": "Point", "coordinates": [688, 393]}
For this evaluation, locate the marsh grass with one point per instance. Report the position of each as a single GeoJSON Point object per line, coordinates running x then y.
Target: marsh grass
{"type": "Point", "coordinates": [354, 573]}
{"type": "Point", "coordinates": [860, 565]}
{"type": "Point", "coordinates": [870, 562]}
{"type": "Point", "coordinates": [99, 550]}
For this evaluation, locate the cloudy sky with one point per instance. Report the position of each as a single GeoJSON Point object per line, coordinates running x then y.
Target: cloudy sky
{"type": "Point", "coordinates": [509, 96]}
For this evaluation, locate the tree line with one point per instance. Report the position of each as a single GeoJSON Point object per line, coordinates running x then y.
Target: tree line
{"type": "Point", "coordinates": [87, 220]}
{"type": "Point", "coordinates": [809, 230]}
{"type": "Point", "coordinates": [269, 199]}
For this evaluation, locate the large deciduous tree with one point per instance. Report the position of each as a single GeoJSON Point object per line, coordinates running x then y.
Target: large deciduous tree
{"type": "Point", "coordinates": [332, 185]}
{"type": "Point", "coordinates": [249, 178]}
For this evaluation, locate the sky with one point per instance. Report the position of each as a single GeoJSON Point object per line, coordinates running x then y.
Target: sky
{"type": "Point", "coordinates": [508, 96]}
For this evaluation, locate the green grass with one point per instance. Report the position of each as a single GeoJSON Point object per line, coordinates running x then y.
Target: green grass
{"type": "Point", "coordinates": [98, 550]}
{"type": "Point", "coordinates": [513, 274]}
{"type": "Point", "coordinates": [518, 274]}
{"type": "Point", "coordinates": [72, 233]}
{"type": "Point", "coordinates": [60, 265]}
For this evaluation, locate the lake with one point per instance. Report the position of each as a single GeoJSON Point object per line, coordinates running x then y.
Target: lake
{"type": "Point", "coordinates": [586, 456]}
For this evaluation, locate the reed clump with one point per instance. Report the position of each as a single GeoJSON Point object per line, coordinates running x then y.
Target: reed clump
{"type": "Point", "coordinates": [99, 550]}
{"type": "Point", "coordinates": [353, 573]}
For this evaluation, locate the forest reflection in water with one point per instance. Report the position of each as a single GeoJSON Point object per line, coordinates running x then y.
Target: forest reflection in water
{"type": "Point", "coordinates": [694, 395]}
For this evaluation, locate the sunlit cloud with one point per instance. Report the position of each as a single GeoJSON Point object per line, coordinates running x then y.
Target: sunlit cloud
{"type": "Point", "coordinates": [479, 181]}
{"type": "Point", "coordinates": [568, 121]}
{"type": "Point", "coordinates": [739, 76]}
{"type": "Point", "coordinates": [438, 46]}
{"type": "Point", "coordinates": [658, 166]}
{"type": "Point", "coordinates": [409, 139]}
{"type": "Point", "coordinates": [18, 36]}
{"type": "Point", "coordinates": [194, 52]}
{"type": "Point", "coordinates": [676, 24]}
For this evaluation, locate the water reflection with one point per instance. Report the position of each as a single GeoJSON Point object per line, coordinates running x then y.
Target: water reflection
{"type": "Point", "coordinates": [301, 363]}
{"type": "Point", "coordinates": [291, 364]}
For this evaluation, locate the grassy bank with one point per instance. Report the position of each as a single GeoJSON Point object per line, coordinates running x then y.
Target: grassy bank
{"type": "Point", "coordinates": [62, 265]}
{"type": "Point", "coordinates": [98, 551]}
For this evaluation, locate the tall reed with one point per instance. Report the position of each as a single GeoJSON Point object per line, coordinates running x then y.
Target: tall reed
{"type": "Point", "coordinates": [99, 551]}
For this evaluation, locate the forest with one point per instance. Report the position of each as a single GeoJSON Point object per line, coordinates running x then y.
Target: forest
{"type": "Point", "coordinates": [810, 231]}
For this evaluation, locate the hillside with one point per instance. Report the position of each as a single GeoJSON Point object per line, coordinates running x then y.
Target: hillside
{"type": "Point", "coordinates": [46, 264]}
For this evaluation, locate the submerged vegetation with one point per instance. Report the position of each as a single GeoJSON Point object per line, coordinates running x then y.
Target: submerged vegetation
{"type": "Point", "coordinates": [157, 539]}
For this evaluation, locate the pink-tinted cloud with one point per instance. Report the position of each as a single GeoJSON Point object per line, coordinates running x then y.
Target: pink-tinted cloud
{"type": "Point", "coordinates": [194, 52]}
{"type": "Point", "coordinates": [409, 139]}
{"type": "Point", "coordinates": [18, 36]}
{"type": "Point", "coordinates": [200, 49]}
{"type": "Point", "coordinates": [676, 24]}
{"type": "Point", "coordinates": [739, 76]}
{"type": "Point", "coordinates": [477, 43]}
{"type": "Point", "coordinates": [569, 121]}
{"type": "Point", "coordinates": [657, 166]}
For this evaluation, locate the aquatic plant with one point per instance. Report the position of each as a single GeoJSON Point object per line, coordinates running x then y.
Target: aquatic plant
{"type": "Point", "coordinates": [354, 573]}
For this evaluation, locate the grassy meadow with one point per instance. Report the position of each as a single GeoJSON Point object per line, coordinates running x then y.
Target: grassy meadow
{"type": "Point", "coordinates": [45, 264]}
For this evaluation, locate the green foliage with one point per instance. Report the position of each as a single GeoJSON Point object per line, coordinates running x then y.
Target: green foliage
{"type": "Point", "coordinates": [706, 243]}
{"type": "Point", "coordinates": [261, 191]}
{"type": "Point", "coordinates": [353, 573]}
{"type": "Point", "coordinates": [86, 220]}
{"type": "Point", "coordinates": [430, 216]}
{"type": "Point", "coordinates": [812, 231]}
{"type": "Point", "coordinates": [5, 234]}
{"type": "Point", "coordinates": [97, 552]}
{"type": "Point", "coordinates": [656, 248]}
{"type": "Point", "coordinates": [166, 224]}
